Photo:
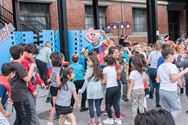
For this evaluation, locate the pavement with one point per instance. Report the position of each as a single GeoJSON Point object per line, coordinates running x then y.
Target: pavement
{"type": "Point", "coordinates": [83, 117]}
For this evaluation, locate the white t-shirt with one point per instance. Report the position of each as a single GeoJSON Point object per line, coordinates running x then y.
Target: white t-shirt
{"type": "Point", "coordinates": [164, 72]}
{"type": "Point", "coordinates": [111, 73]}
{"type": "Point", "coordinates": [138, 78]}
{"type": "Point", "coordinates": [153, 57]}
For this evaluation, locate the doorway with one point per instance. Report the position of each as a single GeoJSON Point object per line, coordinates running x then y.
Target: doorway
{"type": "Point", "coordinates": [174, 24]}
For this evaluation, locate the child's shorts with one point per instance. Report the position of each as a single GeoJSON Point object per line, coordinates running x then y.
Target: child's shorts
{"type": "Point", "coordinates": [53, 90]}
{"type": "Point", "coordinates": [63, 110]}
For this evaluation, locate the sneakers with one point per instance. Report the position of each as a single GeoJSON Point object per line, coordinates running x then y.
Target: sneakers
{"type": "Point", "coordinates": [108, 121]}
{"type": "Point", "coordinates": [99, 121]}
{"type": "Point", "coordinates": [118, 121]}
{"type": "Point", "coordinates": [125, 99]}
{"type": "Point", "coordinates": [92, 122]}
{"type": "Point", "coordinates": [66, 122]}
{"type": "Point", "coordinates": [83, 109]}
{"type": "Point", "coordinates": [48, 100]}
{"type": "Point", "coordinates": [50, 123]}
{"type": "Point", "coordinates": [158, 106]}
{"type": "Point", "coordinates": [151, 96]}
{"type": "Point", "coordinates": [122, 116]}
{"type": "Point", "coordinates": [105, 113]}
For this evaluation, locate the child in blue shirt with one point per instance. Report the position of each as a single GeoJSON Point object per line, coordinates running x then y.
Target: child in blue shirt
{"type": "Point", "coordinates": [78, 80]}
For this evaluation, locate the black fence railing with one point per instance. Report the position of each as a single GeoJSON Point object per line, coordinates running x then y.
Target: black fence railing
{"type": "Point", "coordinates": [24, 26]}
{"type": "Point", "coordinates": [38, 25]}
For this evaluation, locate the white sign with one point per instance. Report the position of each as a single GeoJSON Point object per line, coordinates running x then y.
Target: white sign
{"type": "Point", "coordinates": [5, 32]}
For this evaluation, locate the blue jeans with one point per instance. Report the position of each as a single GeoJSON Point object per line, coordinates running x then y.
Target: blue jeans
{"type": "Point", "coordinates": [186, 87]}
{"type": "Point", "coordinates": [152, 73]}
{"type": "Point", "coordinates": [170, 100]}
{"type": "Point", "coordinates": [34, 117]}
{"type": "Point", "coordinates": [97, 106]}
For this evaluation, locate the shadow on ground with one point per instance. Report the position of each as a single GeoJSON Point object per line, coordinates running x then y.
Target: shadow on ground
{"type": "Point", "coordinates": [44, 115]}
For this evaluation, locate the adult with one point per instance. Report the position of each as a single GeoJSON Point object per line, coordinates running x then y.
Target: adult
{"type": "Point", "coordinates": [181, 39]}
{"type": "Point", "coordinates": [42, 60]}
{"type": "Point", "coordinates": [183, 63]}
{"type": "Point", "coordinates": [166, 37]}
{"type": "Point", "coordinates": [152, 70]}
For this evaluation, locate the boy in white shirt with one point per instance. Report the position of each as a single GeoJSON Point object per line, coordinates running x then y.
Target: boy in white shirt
{"type": "Point", "coordinates": [167, 76]}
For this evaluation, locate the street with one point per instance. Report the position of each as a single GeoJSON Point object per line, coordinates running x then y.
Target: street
{"type": "Point", "coordinates": [83, 117]}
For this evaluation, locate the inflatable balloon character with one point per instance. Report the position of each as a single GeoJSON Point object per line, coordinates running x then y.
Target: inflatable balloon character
{"type": "Point", "coordinates": [99, 42]}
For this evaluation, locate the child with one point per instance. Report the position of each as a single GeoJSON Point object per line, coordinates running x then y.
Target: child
{"type": "Point", "coordinates": [94, 88]}
{"type": "Point", "coordinates": [19, 86]}
{"type": "Point", "coordinates": [180, 57]}
{"type": "Point", "coordinates": [78, 80]}
{"type": "Point", "coordinates": [67, 89]}
{"type": "Point", "coordinates": [112, 91]}
{"type": "Point", "coordinates": [168, 76]}
{"type": "Point", "coordinates": [30, 52]}
{"type": "Point", "coordinates": [7, 74]}
{"type": "Point", "coordinates": [154, 117]}
{"type": "Point", "coordinates": [56, 63]}
{"type": "Point", "coordinates": [146, 85]}
{"type": "Point", "coordinates": [136, 86]}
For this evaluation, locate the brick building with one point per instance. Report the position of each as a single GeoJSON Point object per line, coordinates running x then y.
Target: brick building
{"type": "Point", "coordinates": [44, 15]}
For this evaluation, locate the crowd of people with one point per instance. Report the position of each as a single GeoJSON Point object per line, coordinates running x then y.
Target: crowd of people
{"type": "Point", "coordinates": [132, 72]}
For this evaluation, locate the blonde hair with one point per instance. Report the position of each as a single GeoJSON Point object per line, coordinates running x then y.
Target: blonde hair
{"type": "Point", "coordinates": [178, 48]}
{"type": "Point", "coordinates": [47, 44]}
{"type": "Point", "coordinates": [157, 45]}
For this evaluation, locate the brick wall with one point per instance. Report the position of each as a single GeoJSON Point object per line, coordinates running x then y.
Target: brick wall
{"type": "Point", "coordinates": [128, 15]}
{"type": "Point", "coordinates": [7, 4]}
{"type": "Point", "coordinates": [75, 15]}
{"type": "Point", "coordinates": [162, 19]}
{"type": "Point", "coordinates": [113, 14]}
{"type": "Point", "coordinates": [54, 16]}
{"type": "Point", "coordinates": [138, 39]}
{"type": "Point", "coordinates": [183, 22]}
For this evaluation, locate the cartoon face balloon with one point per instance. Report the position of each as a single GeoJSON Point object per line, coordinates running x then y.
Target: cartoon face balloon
{"type": "Point", "coordinates": [98, 43]}
{"type": "Point", "coordinates": [94, 37]}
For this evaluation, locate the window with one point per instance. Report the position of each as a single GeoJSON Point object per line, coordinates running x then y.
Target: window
{"type": "Point", "coordinates": [36, 14]}
{"type": "Point", "coordinates": [139, 20]}
{"type": "Point", "coordinates": [89, 17]}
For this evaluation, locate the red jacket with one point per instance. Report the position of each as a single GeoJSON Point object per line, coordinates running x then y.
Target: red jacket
{"type": "Point", "coordinates": [6, 84]}
{"type": "Point", "coordinates": [32, 87]}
